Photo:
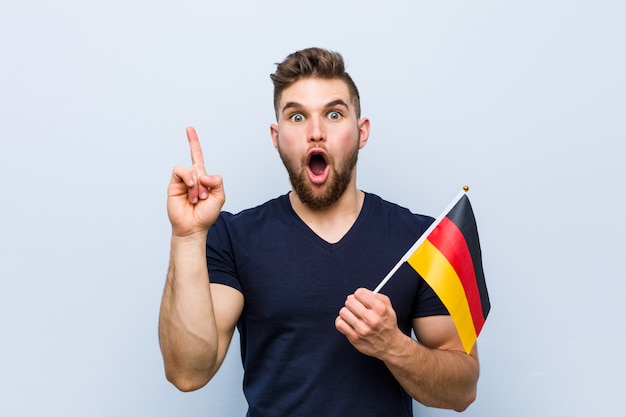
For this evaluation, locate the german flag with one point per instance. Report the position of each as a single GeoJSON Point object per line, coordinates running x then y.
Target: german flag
{"type": "Point", "coordinates": [449, 259]}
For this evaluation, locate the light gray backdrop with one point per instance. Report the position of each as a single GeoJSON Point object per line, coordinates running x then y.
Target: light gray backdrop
{"type": "Point", "coordinates": [523, 101]}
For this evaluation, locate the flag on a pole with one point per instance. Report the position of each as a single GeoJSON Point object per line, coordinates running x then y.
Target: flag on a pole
{"type": "Point", "coordinates": [448, 257]}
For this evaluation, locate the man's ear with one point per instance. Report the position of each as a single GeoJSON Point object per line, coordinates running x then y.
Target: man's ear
{"type": "Point", "coordinates": [274, 134]}
{"type": "Point", "coordinates": [364, 131]}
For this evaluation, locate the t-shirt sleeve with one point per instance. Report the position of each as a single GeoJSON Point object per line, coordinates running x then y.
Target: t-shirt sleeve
{"type": "Point", "coordinates": [220, 254]}
{"type": "Point", "coordinates": [427, 303]}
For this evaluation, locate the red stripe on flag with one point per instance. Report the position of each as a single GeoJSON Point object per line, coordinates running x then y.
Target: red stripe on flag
{"type": "Point", "coordinates": [449, 240]}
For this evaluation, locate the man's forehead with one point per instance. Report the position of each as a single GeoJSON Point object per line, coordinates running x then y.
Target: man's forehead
{"type": "Point", "coordinates": [315, 92]}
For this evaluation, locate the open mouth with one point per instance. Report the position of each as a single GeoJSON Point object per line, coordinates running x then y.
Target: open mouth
{"type": "Point", "coordinates": [318, 166]}
{"type": "Point", "coordinates": [317, 163]}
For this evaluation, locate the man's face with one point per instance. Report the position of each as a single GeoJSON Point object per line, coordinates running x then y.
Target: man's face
{"type": "Point", "coordinates": [318, 138]}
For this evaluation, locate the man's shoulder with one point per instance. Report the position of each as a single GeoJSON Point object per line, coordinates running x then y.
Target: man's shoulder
{"type": "Point", "coordinates": [275, 208]}
{"type": "Point", "coordinates": [396, 211]}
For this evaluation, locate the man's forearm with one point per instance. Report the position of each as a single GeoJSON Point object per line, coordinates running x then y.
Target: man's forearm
{"type": "Point", "coordinates": [187, 329]}
{"type": "Point", "coordinates": [434, 377]}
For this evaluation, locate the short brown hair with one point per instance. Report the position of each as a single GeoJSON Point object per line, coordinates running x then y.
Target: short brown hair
{"type": "Point", "coordinates": [313, 63]}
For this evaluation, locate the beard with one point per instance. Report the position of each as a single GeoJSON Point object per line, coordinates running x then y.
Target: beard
{"type": "Point", "coordinates": [337, 182]}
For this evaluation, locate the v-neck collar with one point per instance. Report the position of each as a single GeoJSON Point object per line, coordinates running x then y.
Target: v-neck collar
{"type": "Point", "coordinates": [330, 247]}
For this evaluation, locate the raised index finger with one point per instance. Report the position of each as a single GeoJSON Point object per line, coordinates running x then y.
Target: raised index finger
{"type": "Point", "coordinates": [194, 145]}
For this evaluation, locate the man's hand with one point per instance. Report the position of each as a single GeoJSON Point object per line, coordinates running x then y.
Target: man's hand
{"type": "Point", "coordinates": [369, 322]}
{"type": "Point", "coordinates": [194, 199]}
{"type": "Point", "coordinates": [439, 360]}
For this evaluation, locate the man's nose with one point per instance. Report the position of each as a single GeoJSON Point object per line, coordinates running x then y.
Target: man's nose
{"type": "Point", "coordinates": [316, 131]}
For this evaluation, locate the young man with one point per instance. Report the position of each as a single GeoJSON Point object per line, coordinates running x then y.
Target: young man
{"type": "Point", "coordinates": [286, 274]}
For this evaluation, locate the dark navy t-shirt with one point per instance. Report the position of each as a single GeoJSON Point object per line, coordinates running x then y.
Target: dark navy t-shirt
{"type": "Point", "coordinates": [294, 284]}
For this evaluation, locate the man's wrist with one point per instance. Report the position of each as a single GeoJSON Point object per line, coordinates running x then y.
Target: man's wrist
{"type": "Point", "coordinates": [397, 354]}
{"type": "Point", "coordinates": [189, 238]}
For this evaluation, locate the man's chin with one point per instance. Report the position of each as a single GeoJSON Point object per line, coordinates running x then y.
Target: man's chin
{"type": "Point", "coordinates": [319, 197]}
{"type": "Point", "coordinates": [324, 195]}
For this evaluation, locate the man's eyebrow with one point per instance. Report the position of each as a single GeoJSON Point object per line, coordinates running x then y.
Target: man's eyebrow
{"type": "Point", "coordinates": [338, 102]}
{"type": "Point", "coordinates": [291, 105]}
{"type": "Point", "coordinates": [297, 106]}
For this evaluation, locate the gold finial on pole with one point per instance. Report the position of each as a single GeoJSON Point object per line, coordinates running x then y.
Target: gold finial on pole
{"type": "Point", "coordinates": [465, 188]}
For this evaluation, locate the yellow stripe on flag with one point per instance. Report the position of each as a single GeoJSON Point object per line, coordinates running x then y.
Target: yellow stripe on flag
{"type": "Point", "coordinates": [441, 276]}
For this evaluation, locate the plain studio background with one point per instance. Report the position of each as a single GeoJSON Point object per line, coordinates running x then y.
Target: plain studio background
{"type": "Point", "coordinates": [523, 101]}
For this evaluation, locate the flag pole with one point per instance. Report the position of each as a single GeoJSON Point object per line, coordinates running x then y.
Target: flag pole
{"type": "Point", "coordinates": [421, 239]}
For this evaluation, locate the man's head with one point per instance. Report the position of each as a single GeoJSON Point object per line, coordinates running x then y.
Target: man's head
{"type": "Point", "coordinates": [319, 131]}
{"type": "Point", "coordinates": [313, 63]}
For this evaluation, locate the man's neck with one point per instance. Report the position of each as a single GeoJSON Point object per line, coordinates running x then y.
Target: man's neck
{"type": "Point", "coordinates": [333, 222]}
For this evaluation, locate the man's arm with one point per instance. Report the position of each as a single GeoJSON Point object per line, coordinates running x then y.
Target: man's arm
{"type": "Point", "coordinates": [197, 319]}
{"type": "Point", "coordinates": [435, 371]}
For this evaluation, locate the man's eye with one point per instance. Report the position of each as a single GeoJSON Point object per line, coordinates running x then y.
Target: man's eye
{"type": "Point", "coordinates": [297, 118]}
{"type": "Point", "coordinates": [334, 115]}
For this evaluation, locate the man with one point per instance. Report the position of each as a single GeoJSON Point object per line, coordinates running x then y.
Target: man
{"type": "Point", "coordinates": [286, 274]}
